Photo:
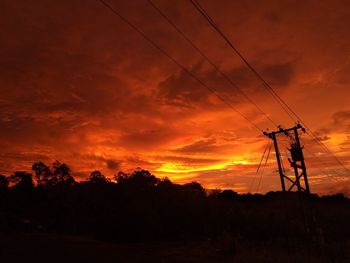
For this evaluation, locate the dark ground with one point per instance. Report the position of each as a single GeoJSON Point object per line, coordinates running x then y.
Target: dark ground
{"type": "Point", "coordinates": [57, 248]}
{"type": "Point", "coordinates": [141, 218]}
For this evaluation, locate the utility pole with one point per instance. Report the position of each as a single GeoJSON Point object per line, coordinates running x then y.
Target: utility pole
{"type": "Point", "coordinates": [297, 161]}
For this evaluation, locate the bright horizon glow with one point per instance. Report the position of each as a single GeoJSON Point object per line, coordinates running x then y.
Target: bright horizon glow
{"type": "Point", "coordinates": [96, 96]}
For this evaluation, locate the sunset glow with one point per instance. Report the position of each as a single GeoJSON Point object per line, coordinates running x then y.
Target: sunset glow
{"type": "Point", "coordinates": [80, 86]}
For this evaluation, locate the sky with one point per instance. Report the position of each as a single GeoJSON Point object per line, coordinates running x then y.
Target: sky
{"type": "Point", "coordinates": [80, 86]}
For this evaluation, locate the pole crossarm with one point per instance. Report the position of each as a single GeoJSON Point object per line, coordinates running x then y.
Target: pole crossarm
{"type": "Point", "coordinates": [285, 131]}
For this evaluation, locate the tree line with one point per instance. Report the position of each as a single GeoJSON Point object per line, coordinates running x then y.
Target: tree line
{"type": "Point", "coordinates": [138, 206]}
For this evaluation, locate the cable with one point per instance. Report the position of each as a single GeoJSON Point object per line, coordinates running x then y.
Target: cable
{"type": "Point", "coordinates": [265, 84]}
{"type": "Point", "coordinates": [322, 163]}
{"type": "Point", "coordinates": [114, 11]}
{"type": "Point", "coordinates": [257, 170]}
{"type": "Point", "coordinates": [210, 61]}
{"type": "Point", "coordinates": [282, 103]}
{"type": "Point", "coordinates": [314, 137]}
{"type": "Point", "coordinates": [262, 172]}
{"type": "Point", "coordinates": [217, 69]}
{"type": "Point", "coordinates": [186, 70]}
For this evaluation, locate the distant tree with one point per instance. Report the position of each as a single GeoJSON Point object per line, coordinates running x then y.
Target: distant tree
{"type": "Point", "coordinates": [143, 178]}
{"type": "Point", "coordinates": [97, 177]}
{"type": "Point", "coordinates": [165, 182]}
{"type": "Point", "coordinates": [121, 177]}
{"type": "Point", "coordinates": [21, 180]}
{"type": "Point", "coordinates": [4, 182]}
{"type": "Point", "coordinates": [61, 174]}
{"type": "Point", "coordinates": [58, 174]}
{"type": "Point", "coordinates": [194, 186]}
{"type": "Point", "coordinates": [229, 194]}
{"type": "Point", "coordinates": [43, 173]}
{"type": "Point", "coordinates": [214, 193]}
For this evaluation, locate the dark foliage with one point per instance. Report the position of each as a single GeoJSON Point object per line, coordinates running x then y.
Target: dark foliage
{"type": "Point", "coordinates": [59, 174]}
{"type": "Point", "coordinates": [141, 207]}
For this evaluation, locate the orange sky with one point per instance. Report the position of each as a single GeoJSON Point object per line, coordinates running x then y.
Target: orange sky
{"type": "Point", "coordinates": [78, 85]}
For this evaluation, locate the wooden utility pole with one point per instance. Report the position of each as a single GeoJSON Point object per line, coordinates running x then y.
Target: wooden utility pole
{"type": "Point", "coordinates": [296, 161]}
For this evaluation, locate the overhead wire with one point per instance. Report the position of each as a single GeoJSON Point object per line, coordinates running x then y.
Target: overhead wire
{"type": "Point", "coordinates": [262, 172]}
{"type": "Point", "coordinates": [314, 137]}
{"type": "Point", "coordinates": [165, 53]}
{"type": "Point", "coordinates": [186, 70]}
{"type": "Point", "coordinates": [322, 163]}
{"type": "Point", "coordinates": [162, 14]}
{"type": "Point", "coordinates": [312, 142]}
{"type": "Point", "coordinates": [289, 111]}
{"type": "Point", "coordinates": [230, 81]}
{"type": "Point", "coordinates": [265, 84]}
{"type": "Point", "coordinates": [258, 168]}
{"type": "Point", "coordinates": [217, 69]}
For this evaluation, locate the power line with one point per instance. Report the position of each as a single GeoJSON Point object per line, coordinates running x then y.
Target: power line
{"type": "Point", "coordinates": [224, 75]}
{"type": "Point", "coordinates": [280, 101]}
{"type": "Point", "coordinates": [314, 137]}
{"type": "Point", "coordinates": [257, 170]}
{"type": "Point", "coordinates": [217, 69]}
{"type": "Point", "coordinates": [327, 150]}
{"type": "Point", "coordinates": [262, 172]}
{"type": "Point", "coordinates": [213, 64]}
{"type": "Point", "coordinates": [154, 44]}
{"type": "Point", "coordinates": [320, 162]}
{"type": "Point", "coordinates": [180, 65]}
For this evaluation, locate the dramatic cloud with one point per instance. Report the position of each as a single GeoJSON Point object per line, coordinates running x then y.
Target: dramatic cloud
{"type": "Point", "coordinates": [80, 86]}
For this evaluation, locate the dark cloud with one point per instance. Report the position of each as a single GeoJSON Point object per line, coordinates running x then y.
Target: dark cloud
{"type": "Point", "coordinates": [275, 74]}
{"type": "Point", "coordinates": [113, 165]}
{"type": "Point", "coordinates": [146, 138]}
{"type": "Point", "coordinates": [79, 85]}
{"type": "Point", "coordinates": [183, 90]}
{"type": "Point", "coordinates": [279, 74]}
{"type": "Point", "coordinates": [201, 146]}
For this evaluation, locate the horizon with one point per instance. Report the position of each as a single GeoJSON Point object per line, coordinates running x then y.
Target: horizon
{"type": "Point", "coordinates": [82, 87]}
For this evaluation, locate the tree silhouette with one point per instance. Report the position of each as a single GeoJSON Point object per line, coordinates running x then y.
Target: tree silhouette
{"type": "Point", "coordinates": [4, 182]}
{"type": "Point", "coordinates": [138, 206]}
{"type": "Point", "coordinates": [21, 180]}
{"type": "Point", "coordinates": [229, 194]}
{"type": "Point", "coordinates": [43, 173]}
{"type": "Point", "coordinates": [58, 174]}
{"type": "Point", "coordinates": [139, 178]}
{"type": "Point", "coordinates": [194, 186]}
{"type": "Point", "coordinates": [97, 177]}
